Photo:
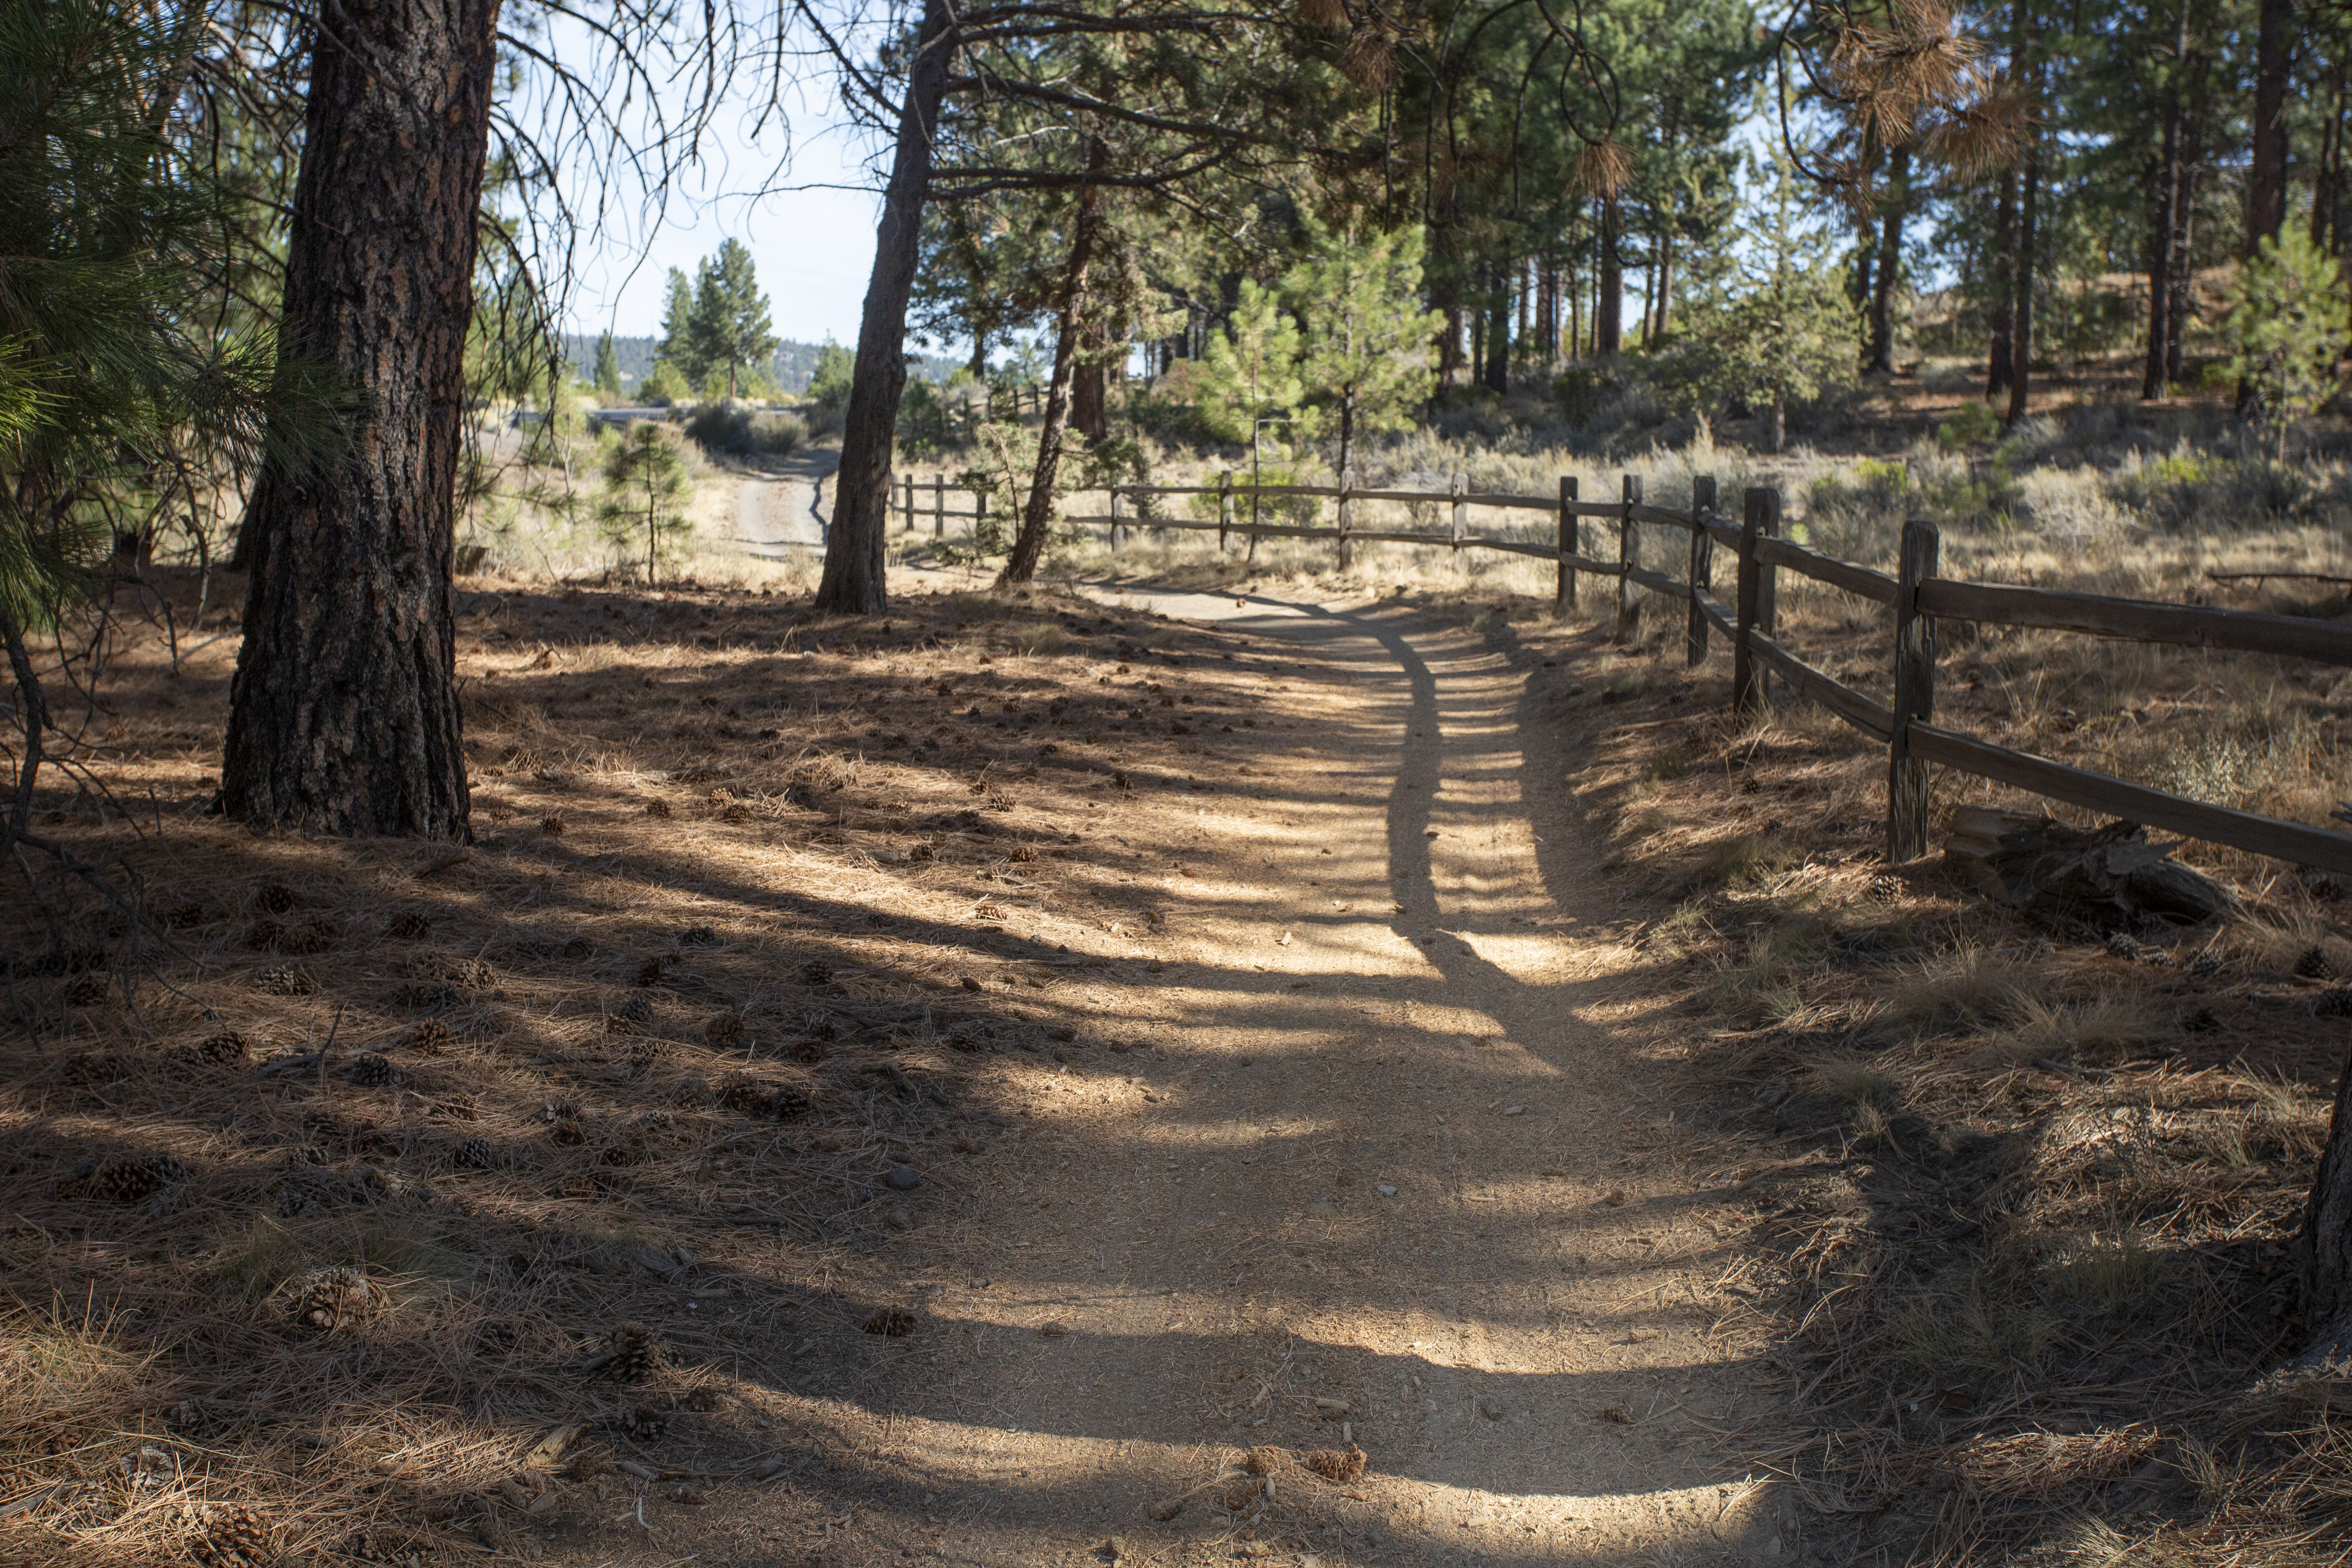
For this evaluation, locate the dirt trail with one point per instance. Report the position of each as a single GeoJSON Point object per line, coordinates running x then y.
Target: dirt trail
{"type": "Point", "coordinates": [786, 511]}
{"type": "Point", "coordinates": [1369, 1175]}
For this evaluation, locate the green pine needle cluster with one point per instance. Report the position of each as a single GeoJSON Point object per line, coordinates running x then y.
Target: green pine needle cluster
{"type": "Point", "coordinates": [128, 380]}
{"type": "Point", "coordinates": [2288, 318]}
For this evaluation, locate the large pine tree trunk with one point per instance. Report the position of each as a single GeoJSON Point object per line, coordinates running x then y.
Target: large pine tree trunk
{"type": "Point", "coordinates": [1090, 384]}
{"type": "Point", "coordinates": [2021, 377]}
{"type": "Point", "coordinates": [2266, 174]}
{"type": "Point", "coordinates": [1609, 298]}
{"type": "Point", "coordinates": [344, 714]}
{"type": "Point", "coordinates": [1880, 357]}
{"type": "Point", "coordinates": [1999, 359]}
{"type": "Point", "coordinates": [2326, 1241]}
{"type": "Point", "coordinates": [2162, 227]}
{"type": "Point", "coordinates": [853, 582]}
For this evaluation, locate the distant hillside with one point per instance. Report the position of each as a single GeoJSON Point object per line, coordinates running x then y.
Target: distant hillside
{"type": "Point", "coordinates": [793, 364]}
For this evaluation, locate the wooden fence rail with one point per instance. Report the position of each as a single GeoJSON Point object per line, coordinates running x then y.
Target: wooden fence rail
{"type": "Point", "coordinates": [1917, 594]}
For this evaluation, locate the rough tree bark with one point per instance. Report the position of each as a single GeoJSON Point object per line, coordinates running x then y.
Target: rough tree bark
{"type": "Point", "coordinates": [2020, 376]}
{"type": "Point", "coordinates": [2326, 1242]}
{"type": "Point", "coordinates": [1090, 384]}
{"type": "Point", "coordinates": [1999, 359]}
{"type": "Point", "coordinates": [1029, 546]}
{"type": "Point", "coordinates": [2163, 230]}
{"type": "Point", "coordinates": [343, 712]}
{"type": "Point", "coordinates": [853, 581]}
{"type": "Point", "coordinates": [1609, 297]}
{"type": "Point", "coordinates": [1880, 359]}
{"type": "Point", "coordinates": [2266, 172]}
{"type": "Point", "coordinates": [2025, 76]}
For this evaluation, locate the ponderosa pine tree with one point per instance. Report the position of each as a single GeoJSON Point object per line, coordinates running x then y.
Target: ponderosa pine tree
{"type": "Point", "coordinates": [728, 316]}
{"type": "Point", "coordinates": [343, 712]}
{"type": "Point", "coordinates": [1363, 330]}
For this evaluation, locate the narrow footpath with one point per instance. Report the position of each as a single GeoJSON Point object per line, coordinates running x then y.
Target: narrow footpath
{"type": "Point", "coordinates": [1395, 1170]}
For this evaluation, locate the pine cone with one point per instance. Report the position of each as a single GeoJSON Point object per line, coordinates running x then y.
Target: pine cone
{"type": "Point", "coordinates": [277, 897]}
{"type": "Point", "coordinates": [726, 1032]}
{"type": "Point", "coordinates": [643, 1423]}
{"type": "Point", "coordinates": [1344, 1466]}
{"type": "Point", "coordinates": [698, 936]}
{"type": "Point", "coordinates": [409, 925]}
{"type": "Point", "coordinates": [764, 1100]}
{"type": "Point", "coordinates": [370, 1070]}
{"type": "Point", "coordinates": [2312, 964]}
{"type": "Point", "coordinates": [620, 1155]}
{"type": "Point", "coordinates": [639, 1010]}
{"type": "Point", "coordinates": [656, 807]}
{"type": "Point", "coordinates": [327, 1299]}
{"type": "Point", "coordinates": [476, 1154]}
{"type": "Point", "coordinates": [816, 973]}
{"type": "Point", "coordinates": [94, 1069]}
{"type": "Point", "coordinates": [896, 1322]}
{"type": "Point", "coordinates": [184, 917]}
{"type": "Point", "coordinates": [651, 971]}
{"type": "Point", "coordinates": [553, 825]}
{"type": "Point", "coordinates": [429, 1038]}
{"type": "Point", "coordinates": [228, 1045]}
{"type": "Point", "coordinates": [284, 980]}
{"type": "Point", "coordinates": [631, 1355]}
{"type": "Point", "coordinates": [232, 1538]}
{"type": "Point", "coordinates": [470, 972]}
{"type": "Point", "coordinates": [316, 934]}
{"type": "Point", "coordinates": [127, 1178]}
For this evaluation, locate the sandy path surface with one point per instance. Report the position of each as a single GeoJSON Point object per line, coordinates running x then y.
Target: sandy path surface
{"type": "Point", "coordinates": [1385, 1169]}
{"type": "Point", "coordinates": [787, 511]}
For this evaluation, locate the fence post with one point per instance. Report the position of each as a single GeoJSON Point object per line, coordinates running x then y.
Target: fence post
{"type": "Point", "coordinates": [939, 506]}
{"type": "Point", "coordinates": [1454, 487]}
{"type": "Point", "coordinates": [1114, 520]}
{"type": "Point", "coordinates": [1702, 564]}
{"type": "Point", "coordinates": [1570, 543]}
{"type": "Point", "coordinates": [1629, 555]}
{"type": "Point", "coordinates": [1759, 518]}
{"type": "Point", "coordinates": [910, 503]}
{"type": "Point", "coordinates": [1224, 507]}
{"type": "Point", "coordinates": [1346, 512]}
{"type": "Point", "coordinates": [979, 513]}
{"type": "Point", "coordinates": [1915, 694]}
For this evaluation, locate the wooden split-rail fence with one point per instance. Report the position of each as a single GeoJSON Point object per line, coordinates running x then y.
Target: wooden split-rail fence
{"type": "Point", "coordinates": [1914, 592]}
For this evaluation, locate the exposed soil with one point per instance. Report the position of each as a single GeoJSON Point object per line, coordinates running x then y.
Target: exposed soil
{"type": "Point", "coordinates": [956, 1086]}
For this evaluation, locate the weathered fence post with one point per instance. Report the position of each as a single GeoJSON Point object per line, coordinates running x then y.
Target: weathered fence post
{"type": "Point", "coordinates": [1224, 507]}
{"type": "Point", "coordinates": [1915, 694]}
{"type": "Point", "coordinates": [1570, 543]}
{"type": "Point", "coordinates": [1759, 518]}
{"type": "Point", "coordinates": [1629, 555]}
{"type": "Point", "coordinates": [1114, 515]}
{"type": "Point", "coordinates": [1456, 487]}
{"type": "Point", "coordinates": [1346, 512]}
{"type": "Point", "coordinates": [938, 506]}
{"type": "Point", "coordinates": [979, 513]}
{"type": "Point", "coordinates": [1702, 565]}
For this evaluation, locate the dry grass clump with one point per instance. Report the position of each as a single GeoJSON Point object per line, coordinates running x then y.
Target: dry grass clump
{"type": "Point", "coordinates": [2034, 1189]}
{"type": "Point", "coordinates": [546, 1137]}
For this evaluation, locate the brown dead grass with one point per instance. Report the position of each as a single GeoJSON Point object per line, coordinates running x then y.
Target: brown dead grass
{"type": "Point", "coordinates": [2033, 1193]}
{"type": "Point", "coordinates": [761, 908]}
